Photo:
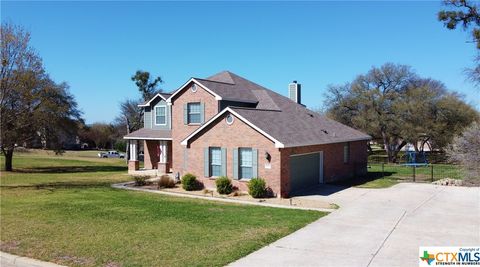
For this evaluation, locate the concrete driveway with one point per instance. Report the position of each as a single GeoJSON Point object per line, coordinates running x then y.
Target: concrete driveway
{"type": "Point", "coordinates": [379, 227]}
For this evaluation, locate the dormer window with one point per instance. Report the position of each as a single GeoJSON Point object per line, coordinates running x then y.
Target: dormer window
{"type": "Point", "coordinates": [161, 115]}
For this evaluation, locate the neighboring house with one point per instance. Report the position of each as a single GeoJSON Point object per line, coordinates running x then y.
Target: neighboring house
{"type": "Point", "coordinates": [227, 125]}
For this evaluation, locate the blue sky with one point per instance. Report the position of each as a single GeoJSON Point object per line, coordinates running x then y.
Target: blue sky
{"type": "Point", "coordinates": [97, 46]}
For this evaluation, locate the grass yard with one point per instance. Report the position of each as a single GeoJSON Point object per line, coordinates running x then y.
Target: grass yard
{"type": "Point", "coordinates": [423, 173]}
{"type": "Point", "coordinates": [371, 181]}
{"type": "Point", "coordinates": [44, 168]}
{"type": "Point", "coordinates": [62, 209]}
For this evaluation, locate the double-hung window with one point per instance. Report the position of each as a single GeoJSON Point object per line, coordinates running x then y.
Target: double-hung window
{"type": "Point", "coordinates": [193, 110]}
{"type": "Point", "coordinates": [161, 115]}
{"type": "Point", "coordinates": [215, 161]}
{"type": "Point", "coordinates": [246, 163]}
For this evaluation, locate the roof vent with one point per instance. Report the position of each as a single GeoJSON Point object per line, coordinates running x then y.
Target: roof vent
{"type": "Point", "coordinates": [295, 92]}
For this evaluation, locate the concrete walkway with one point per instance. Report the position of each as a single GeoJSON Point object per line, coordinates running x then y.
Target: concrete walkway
{"type": "Point", "coordinates": [9, 260]}
{"type": "Point", "coordinates": [379, 227]}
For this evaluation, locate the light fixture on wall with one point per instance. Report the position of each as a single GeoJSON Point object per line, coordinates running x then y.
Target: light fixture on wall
{"type": "Point", "coordinates": [268, 156]}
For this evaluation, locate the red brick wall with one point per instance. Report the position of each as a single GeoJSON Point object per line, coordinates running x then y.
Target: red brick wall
{"type": "Point", "coordinates": [179, 129]}
{"type": "Point", "coordinates": [333, 167]}
{"type": "Point", "coordinates": [150, 152]}
{"type": "Point", "coordinates": [133, 165]}
{"type": "Point", "coordinates": [220, 134]}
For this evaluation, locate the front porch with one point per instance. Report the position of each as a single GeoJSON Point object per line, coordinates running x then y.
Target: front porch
{"type": "Point", "coordinates": [154, 148]}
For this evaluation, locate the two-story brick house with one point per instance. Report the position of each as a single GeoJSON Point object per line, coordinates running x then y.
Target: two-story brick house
{"type": "Point", "coordinates": [227, 125]}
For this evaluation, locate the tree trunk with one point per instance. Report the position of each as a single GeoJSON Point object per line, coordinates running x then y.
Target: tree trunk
{"type": "Point", "coordinates": [392, 147]}
{"type": "Point", "coordinates": [397, 149]}
{"type": "Point", "coordinates": [415, 145]}
{"type": "Point", "coordinates": [8, 160]}
{"type": "Point", "coordinates": [386, 144]}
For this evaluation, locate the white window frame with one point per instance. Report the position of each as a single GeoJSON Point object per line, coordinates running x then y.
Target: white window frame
{"type": "Point", "coordinates": [155, 113]}
{"type": "Point", "coordinates": [229, 116]}
{"type": "Point", "coordinates": [199, 113]}
{"type": "Point", "coordinates": [210, 163]}
{"type": "Point", "coordinates": [240, 162]}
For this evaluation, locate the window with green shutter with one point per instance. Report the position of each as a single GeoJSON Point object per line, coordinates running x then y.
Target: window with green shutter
{"type": "Point", "coordinates": [194, 113]}
{"type": "Point", "coordinates": [245, 163]}
{"type": "Point", "coordinates": [215, 161]}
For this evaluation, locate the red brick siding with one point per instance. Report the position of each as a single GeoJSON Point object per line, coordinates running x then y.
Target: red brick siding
{"type": "Point", "coordinates": [179, 129]}
{"type": "Point", "coordinates": [133, 165]}
{"type": "Point", "coordinates": [239, 134]}
{"type": "Point", "coordinates": [150, 154]}
{"type": "Point", "coordinates": [333, 167]}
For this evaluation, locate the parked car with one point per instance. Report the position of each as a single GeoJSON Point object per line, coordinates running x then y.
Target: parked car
{"type": "Point", "coordinates": [111, 154]}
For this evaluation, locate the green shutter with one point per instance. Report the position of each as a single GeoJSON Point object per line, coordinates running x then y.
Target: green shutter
{"type": "Point", "coordinates": [254, 162]}
{"type": "Point", "coordinates": [235, 163]}
{"type": "Point", "coordinates": [185, 114]}
{"type": "Point", "coordinates": [202, 112]}
{"type": "Point", "coordinates": [206, 162]}
{"type": "Point", "coordinates": [224, 161]}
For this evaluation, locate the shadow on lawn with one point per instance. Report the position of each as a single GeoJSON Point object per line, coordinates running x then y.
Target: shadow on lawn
{"type": "Point", "coordinates": [71, 169]}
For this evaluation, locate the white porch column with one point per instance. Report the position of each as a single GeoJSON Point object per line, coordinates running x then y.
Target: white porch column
{"type": "Point", "coordinates": [163, 151]}
{"type": "Point", "coordinates": [133, 150]}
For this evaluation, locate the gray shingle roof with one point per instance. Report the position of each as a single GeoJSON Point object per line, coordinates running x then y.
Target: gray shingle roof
{"type": "Point", "coordinates": [283, 119]}
{"type": "Point", "coordinates": [145, 133]}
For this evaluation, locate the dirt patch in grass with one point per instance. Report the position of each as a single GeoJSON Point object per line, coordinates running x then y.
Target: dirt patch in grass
{"type": "Point", "coordinates": [9, 246]}
{"type": "Point", "coordinates": [73, 260]}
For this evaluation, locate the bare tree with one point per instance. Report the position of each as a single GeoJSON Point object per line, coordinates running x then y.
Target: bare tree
{"type": "Point", "coordinates": [465, 149]}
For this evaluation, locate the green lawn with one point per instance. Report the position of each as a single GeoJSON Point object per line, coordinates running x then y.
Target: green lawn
{"type": "Point", "coordinates": [371, 181]}
{"type": "Point", "coordinates": [44, 168]}
{"type": "Point", "coordinates": [61, 209]}
{"type": "Point", "coordinates": [392, 174]}
{"type": "Point", "coordinates": [423, 173]}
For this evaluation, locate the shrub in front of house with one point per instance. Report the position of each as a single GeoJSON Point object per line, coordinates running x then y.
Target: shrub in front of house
{"type": "Point", "coordinates": [166, 181]}
{"type": "Point", "coordinates": [224, 185]}
{"type": "Point", "coordinates": [257, 188]}
{"type": "Point", "coordinates": [140, 180]}
{"type": "Point", "coordinates": [189, 182]}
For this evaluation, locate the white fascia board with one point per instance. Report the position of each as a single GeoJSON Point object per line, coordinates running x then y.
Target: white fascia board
{"type": "Point", "coordinates": [217, 97]}
{"type": "Point", "coordinates": [278, 144]}
{"type": "Point", "coordinates": [150, 101]}
{"type": "Point", "coordinates": [146, 138]}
